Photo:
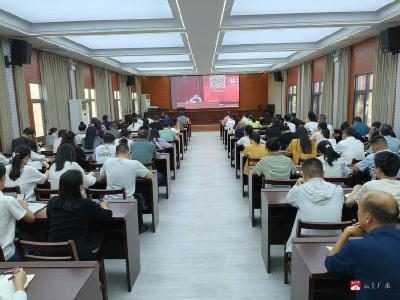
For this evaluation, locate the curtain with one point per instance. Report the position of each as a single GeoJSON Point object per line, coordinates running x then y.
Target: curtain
{"type": "Point", "coordinates": [274, 92]}
{"type": "Point", "coordinates": [111, 97]}
{"type": "Point", "coordinates": [327, 93]}
{"type": "Point", "coordinates": [5, 108]}
{"type": "Point", "coordinates": [80, 82]}
{"type": "Point", "coordinates": [21, 96]}
{"type": "Point", "coordinates": [126, 103]}
{"type": "Point", "coordinates": [101, 86]}
{"type": "Point", "coordinates": [283, 93]}
{"type": "Point", "coordinates": [138, 87]}
{"type": "Point", "coordinates": [343, 90]}
{"type": "Point", "coordinates": [305, 89]}
{"type": "Point", "coordinates": [56, 89]}
{"type": "Point", "coordinates": [383, 93]}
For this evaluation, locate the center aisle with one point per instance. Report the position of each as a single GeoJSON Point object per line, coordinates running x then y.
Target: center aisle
{"type": "Point", "coordinates": [204, 247]}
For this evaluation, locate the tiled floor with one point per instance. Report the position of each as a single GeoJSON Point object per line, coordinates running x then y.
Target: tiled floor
{"type": "Point", "coordinates": [205, 247]}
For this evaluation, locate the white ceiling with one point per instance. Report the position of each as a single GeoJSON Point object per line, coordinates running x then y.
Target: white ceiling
{"type": "Point", "coordinates": [163, 37]}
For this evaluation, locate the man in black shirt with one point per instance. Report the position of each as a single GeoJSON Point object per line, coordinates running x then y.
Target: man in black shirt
{"type": "Point", "coordinates": [27, 139]}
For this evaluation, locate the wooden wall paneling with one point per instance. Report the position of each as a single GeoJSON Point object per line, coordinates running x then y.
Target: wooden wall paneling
{"type": "Point", "coordinates": [159, 89]}
{"type": "Point", "coordinates": [87, 76]}
{"type": "Point", "coordinates": [317, 69]}
{"type": "Point", "coordinates": [253, 91]}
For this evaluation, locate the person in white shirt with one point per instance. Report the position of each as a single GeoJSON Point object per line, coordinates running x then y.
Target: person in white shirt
{"type": "Point", "coordinates": [57, 141]}
{"type": "Point", "coordinates": [322, 118]}
{"type": "Point", "coordinates": [230, 124]}
{"type": "Point", "coordinates": [11, 211]}
{"type": "Point", "coordinates": [81, 134]}
{"type": "Point", "coordinates": [4, 160]}
{"type": "Point", "coordinates": [245, 140]}
{"type": "Point", "coordinates": [135, 125]}
{"type": "Point", "coordinates": [121, 172]}
{"type": "Point", "coordinates": [19, 281]}
{"type": "Point", "coordinates": [316, 199]}
{"type": "Point", "coordinates": [319, 135]}
{"type": "Point", "coordinates": [349, 147]}
{"type": "Point", "coordinates": [124, 135]}
{"type": "Point", "coordinates": [387, 166]}
{"type": "Point", "coordinates": [311, 125]}
{"type": "Point", "coordinates": [25, 176]}
{"type": "Point", "coordinates": [292, 127]}
{"type": "Point", "coordinates": [105, 151]}
{"type": "Point", "coordinates": [332, 163]}
{"type": "Point", "coordinates": [65, 160]}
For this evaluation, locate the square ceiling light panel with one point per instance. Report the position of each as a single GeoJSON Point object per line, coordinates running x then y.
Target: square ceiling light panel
{"type": "Point", "coordinates": [251, 66]}
{"type": "Point", "coordinates": [36, 11]}
{"type": "Point", "coordinates": [151, 58]}
{"type": "Point", "coordinates": [123, 41]}
{"type": "Point", "coordinates": [269, 7]}
{"type": "Point", "coordinates": [255, 55]}
{"type": "Point", "coordinates": [165, 69]}
{"type": "Point", "coordinates": [273, 36]}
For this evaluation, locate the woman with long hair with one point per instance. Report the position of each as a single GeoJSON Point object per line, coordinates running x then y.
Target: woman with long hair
{"type": "Point", "coordinates": [301, 147]}
{"type": "Point", "coordinates": [333, 164]}
{"type": "Point", "coordinates": [69, 138]}
{"type": "Point", "coordinates": [69, 215]}
{"type": "Point", "coordinates": [19, 173]}
{"type": "Point", "coordinates": [81, 134]}
{"type": "Point", "coordinates": [91, 140]}
{"type": "Point", "coordinates": [125, 138]}
{"type": "Point", "coordinates": [160, 143]}
{"type": "Point", "coordinates": [65, 161]}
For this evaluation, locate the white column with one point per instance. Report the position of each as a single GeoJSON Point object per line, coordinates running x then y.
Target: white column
{"type": "Point", "coordinates": [396, 125]}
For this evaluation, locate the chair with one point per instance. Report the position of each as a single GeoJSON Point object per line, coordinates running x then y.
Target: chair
{"type": "Point", "coordinates": [315, 226]}
{"type": "Point", "coordinates": [344, 180]}
{"type": "Point", "coordinates": [45, 194]}
{"type": "Point", "coordinates": [31, 251]}
{"type": "Point", "coordinates": [12, 190]}
{"type": "Point", "coordinates": [290, 182]}
{"type": "Point", "coordinates": [251, 162]}
{"type": "Point", "coordinates": [100, 193]}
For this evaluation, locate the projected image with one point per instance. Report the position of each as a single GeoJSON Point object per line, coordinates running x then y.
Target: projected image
{"type": "Point", "coordinates": [198, 92]}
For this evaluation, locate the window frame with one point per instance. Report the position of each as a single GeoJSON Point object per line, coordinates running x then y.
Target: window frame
{"type": "Point", "coordinates": [364, 93]}
{"type": "Point", "coordinates": [118, 113]}
{"type": "Point", "coordinates": [40, 101]}
{"type": "Point", "coordinates": [90, 101]}
{"type": "Point", "coordinates": [292, 96]}
{"type": "Point", "coordinates": [316, 97]}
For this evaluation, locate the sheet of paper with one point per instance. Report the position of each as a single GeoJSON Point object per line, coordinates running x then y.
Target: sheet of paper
{"type": "Point", "coordinates": [329, 248]}
{"type": "Point", "coordinates": [35, 207]}
{"type": "Point", "coordinates": [7, 289]}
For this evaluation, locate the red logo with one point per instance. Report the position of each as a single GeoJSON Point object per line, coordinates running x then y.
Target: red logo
{"type": "Point", "coordinates": [355, 285]}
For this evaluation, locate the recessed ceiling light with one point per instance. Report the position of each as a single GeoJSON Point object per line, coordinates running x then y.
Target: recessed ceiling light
{"type": "Point", "coordinates": [120, 41]}
{"type": "Point", "coordinates": [164, 68]}
{"type": "Point", "coordinates": [87, 10]}
{"type": "Point", "coordinates": [251, 66]}
{"type": "Point", "coordinates": [151, 58]}
{"type": "Point", "coordinates": [263, 7]}
{"type": "Point", "coordinates": [255, 55]}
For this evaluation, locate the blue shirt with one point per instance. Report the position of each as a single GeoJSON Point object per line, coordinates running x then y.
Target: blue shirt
{"type": "Point", "coordinates": [239, 133]}
{"type": "Point", "coordinates": [361, 128]}
{"type": "Point", "coordinates": [393, 143]}
{"type": "Point", "coordinates": [142, 150]}
{"type": "Point", "coordinates": [374, 260]}
{"type": "Point", "coordinates": [368, 164]}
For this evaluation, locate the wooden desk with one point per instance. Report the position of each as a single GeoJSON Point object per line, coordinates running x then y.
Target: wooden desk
{"type": "Point", "coordinates": [238, 149]}
{"type": "Point", "coordinates": [221, 131]}
{"type": "Point", "coordinates": [65, 280]}
{"type": "Point", "coordinates": [230, 137]}
{"type": "Point", "coordinates": [231, 154]}
{"type": "Point", "coordinates": [185, 138]}
{"type": "Point", "coordinates": [162, 165]}
{"type": "Point", "coordinates": [172, 158]}
{"type": "Point", "coordinates": [309, 279]}
{"type": "Point", "coordinates": [181, 145]}
{"type": "Point", "coordinates": [120, 235]}
{"type": "Point", "coordinates": [225, 137]}
{"type": "Point", "coordinates": [277, 219]}
{"type": "Point", "coordinates": [189, 131]}
{"type": "Point", "coordinates": [255, 187]}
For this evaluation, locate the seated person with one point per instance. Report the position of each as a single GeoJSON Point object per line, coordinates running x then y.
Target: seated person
{"type": "Point", "coordinates": [393, 143]}
{"type": "Point", "coordinates": [253, 122]}
{"type": "Point", "coordinates": [312, 124]}
{"type": "Point", "coordinates": [322, 118]}
{"type": "Point", "coordinates": [349, 147]}
{"type": "Point", "coordinates": [275, 165]}
{"type": "Point", "coordinates": [4, 160]}
{"type": "Point", "coordinates": [69, 215]}
{"type": "Point", "coordinates": [160, 143]}
{"type": "Point", "coordinates": [135, 125]}
{"type": "Point", "coordinates": [375, 257]}
{"type": "Point", "coordinates": [360, 127]}
{"type": "Point", "coordinates": [69, 138]}
{"type": "Point", "coordinates": [387, 166]}
{"type": "Point", "coordinates": [275, 129]}
{"type": "Point", "coordinates": [285, 137]}
{"type": "Point", "coordinates": [124, 135]}
{"type": "Point", "coordinates": [378, 144]}
{"type": "Point", "coordinates": [121, 172]}
{"type": "Point", "coordinates": [301, 147]}
{"type": "Point", "coordinates": [19, 282]}
{"type": "Point", "coordinates": [25, 176]}
{"type": "Point", "coordinates": [245, 140]}
{"type": "Point", "coordinates": [333, 164]}
{"type": "Point", "coordinates": [114, 130]}
{"type": "Point", "coordinates": [28, 138]}
{"type": "Point", "coordinates": [226, 118]}
{"type": "Point", "coordinates": [81, 134]}
{"type": "Point", "coordinates": [57, 141]}
{"type": "Point", "coordinates": [106, 122]}
{"type": "Point", "coordinates": [166, 133]}
{"type": "Point", "coordinates": [255, 150]}
{"type": "Point", "coordinates": [106, 150]}
{"type": "Point", "coordinates": [316, 199]}
{"type": "Point", "coordinates": [231, 123]}
{"type": "Point", "coordinates": [11, 211]}
{"type": "Point", "coordinates": [289, 124]}
{"type": "Point", "coordinates": [141, 149]}
{"type": "Point", "coordinates": [182, 119]}
{"type": "Point", "coordinates": [239, 130]}
{"type": "Point", "coordinates": [319, 135]}
{"type": "Point", "coordinates": [65, 161]}
{"type": "Point", "coordinates": [51, 136]}
{"type": "Point", "coordinates": [91, 140]}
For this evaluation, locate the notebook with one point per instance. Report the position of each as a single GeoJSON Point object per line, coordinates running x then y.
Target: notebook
{"type": "Point", "coordinates": [7, 289]}
{"type": "Point", "coordinates": [35, 207]}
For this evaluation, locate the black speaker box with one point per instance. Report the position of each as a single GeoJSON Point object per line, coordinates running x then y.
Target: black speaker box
{"type": "Point", "coordinates": [21, 52]}
{"type": "Point", "coordinates": [130, 80]}
{"type": "Point", "coordinates": [390, 40]}
{"type": "Point", "coordinates": [278, 76]}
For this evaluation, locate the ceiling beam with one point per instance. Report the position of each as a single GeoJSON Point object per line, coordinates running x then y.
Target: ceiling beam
{"type": "Point", "coordinates": [139, 51]}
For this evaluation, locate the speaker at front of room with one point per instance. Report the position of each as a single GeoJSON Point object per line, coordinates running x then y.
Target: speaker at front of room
{"type": "Point", "coordinates": [390, 40]}
{"type": "Point", "coordinates": [21, 52]}
{"type": "Point", "coordinates": [130, 80]}
{"type": "Point", "coordinates": [278, 76]}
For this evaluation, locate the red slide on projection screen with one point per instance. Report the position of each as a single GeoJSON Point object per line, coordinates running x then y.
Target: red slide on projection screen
{"type": "Point", "coordinates": [198, 92]}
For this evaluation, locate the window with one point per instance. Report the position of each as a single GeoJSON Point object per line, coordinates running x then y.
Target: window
{"type": "Point", "coordinates": [90, 103]}
{"type": "Point", "coordinates": [363, 97]}
{"type": "Point", "coordinates": [117, 106]}
{"type": "Point", "coordinates": [35, 90]}
{"type": "Point", "coordinates": [316, 97]}
{"type": "Point", "coordinates": [292, 97]}
{"type": "Point", "coordinates": [135, 102]}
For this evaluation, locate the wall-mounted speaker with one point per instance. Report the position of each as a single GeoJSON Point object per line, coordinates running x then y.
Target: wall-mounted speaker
{"type": "Point", "coordinates": [390, 40]}
{"type": "Point", "coordinates": [21, 52]}
{"type": "Point", "coordinates": [278, 76]}
{"type": "Point", "coordinates": [130, 80]}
